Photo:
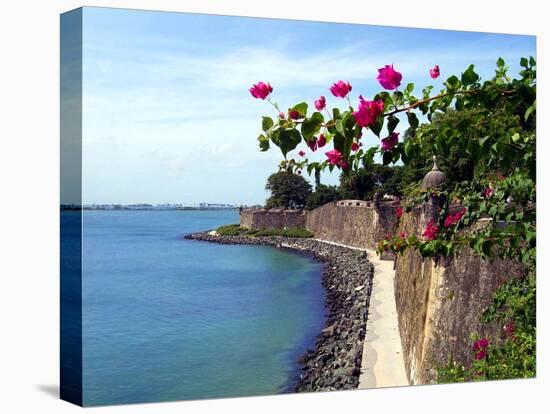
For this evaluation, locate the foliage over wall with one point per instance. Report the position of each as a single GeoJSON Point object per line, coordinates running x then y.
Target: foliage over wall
{"type": "Point", "coordinates": [484, 135]}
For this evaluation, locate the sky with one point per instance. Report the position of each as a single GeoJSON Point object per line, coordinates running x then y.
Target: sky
{"type": "Point", "coordinates": [166, 112]}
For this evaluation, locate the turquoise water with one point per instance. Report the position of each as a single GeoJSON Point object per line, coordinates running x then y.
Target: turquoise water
{"type": "Point", "coordinates": [172, 319]}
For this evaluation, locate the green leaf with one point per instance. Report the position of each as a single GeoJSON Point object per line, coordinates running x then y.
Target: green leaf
{"type": "Point", "coordinates": [524, 62]}
{"type": "Point", "coordinates": [387, 157]}
{"type": "Point", "coordinates": [452, 83]}
{"type": "Point", "coordinates": [530, 110]}
{"type": "Point", "coordinates": [267, 123]}
{"type": "Point", "coordinates": [264, 142]}
{"type": "Point", "coordinates": [469, 77]}
{"type": "Point", "coordinates": [301, 108]}
{"type": "Point", "coordinates": [410, 87]}
{"type": "Point", "coordinates": [413, 120]}
{"type": "Point", "coordinates": [312, 125]}
{"type": "Point", "coordinates": [392, 123]}
{"type": "Point", "coordinates": [339, 142]}
{"type": "Point", "coordinates": [377, 126]}
{"type": "Point", "coordinates": [397, 98]}
{"type": "Point", "coordinates": [340, 127]}
{"type": "Point", "coordinates": [500, 63]}
{"type": "Point", "coordinates": [289, 139]}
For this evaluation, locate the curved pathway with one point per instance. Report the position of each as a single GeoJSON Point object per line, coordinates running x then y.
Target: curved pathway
{"type": "Point", "coordinates": [382, 363]}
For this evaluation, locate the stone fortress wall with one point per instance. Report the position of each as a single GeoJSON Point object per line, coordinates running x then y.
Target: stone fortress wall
{"type": "Point", "coordinates": [439, 302]}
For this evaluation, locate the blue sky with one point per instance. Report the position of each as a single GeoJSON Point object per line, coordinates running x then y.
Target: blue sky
{"type": "Point", "coordinates": [167, 116]}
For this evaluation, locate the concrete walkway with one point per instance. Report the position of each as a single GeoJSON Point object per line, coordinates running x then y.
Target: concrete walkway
{"type": "Point", "coordinates": [382, 363]}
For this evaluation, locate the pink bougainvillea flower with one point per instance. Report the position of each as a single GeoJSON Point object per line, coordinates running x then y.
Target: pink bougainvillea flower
{"type": "Point", "coordinates": [509, 329]}
{"type": "Point", "coordinates": [334, 157]}
{"type": "Point", "coordinates": [454, 218]}
{"type": "Point", "coordinates": [480, 344]}
{"type": "Point", "coordinates": [261, 90]}
{"type": "Point", "coordinates": [321, 103]}
{"type": "Point", "coordinates": [354, 146]}
{"type": "Point", "coordinates": [488, 192]}
{"type": "Point", "coordinates": [388, 77]}
{"type": "Point", "coordinates": [340, 89]}
{"type": "Point", "coordinates": [368, 111]}
{"type": "Point", "coordinates": [403, 235]}
{"type": "Point", "coordinates": [430, 232]}
{"type": "Point", "coordinates": [321, 141]}
{"type": "Point", "coordinates": [282, 115]}
{"type": "Point", "coordinates": [294, 114]}
{"type": "Point", "coordinates": [301, 153]}
{"type": "Point", "coordinates": [312, 145]}
{"type": "Point", "coordinates": [434, 72]}
{"type": "Point", "coordinates": [481, 355]}
{"type": "Point", "coordinates": [391, 141]}
{"type": "Point", "coordinates": [399, 212]}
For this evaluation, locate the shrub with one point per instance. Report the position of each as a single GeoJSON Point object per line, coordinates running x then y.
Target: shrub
{"type": "Point", "coordinates": [229, 230]}
{"type": "Point", "coordinates": [290, 232]}
{"type": "Point", "coordinates": [237, 230]}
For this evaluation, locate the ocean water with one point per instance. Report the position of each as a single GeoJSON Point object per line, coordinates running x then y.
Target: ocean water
{"type": "Point", "coordinates": [171, 319]}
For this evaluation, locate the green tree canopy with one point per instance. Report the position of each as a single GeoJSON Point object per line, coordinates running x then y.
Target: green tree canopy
{"type": "Point", "coordinates": [363, 183]}
{"type": "Point", "coordinates": [288, 190]}
{"type": "Point", "coordinates": [323, 194]}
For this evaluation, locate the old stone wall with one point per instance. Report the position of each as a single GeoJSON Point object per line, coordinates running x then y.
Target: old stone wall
{"type": "Point", "coordinates": [439, 304]}
{"type": "Point", "coordinates": [273, 219]}
{"type": "Point", "coordinates": [351, 222]}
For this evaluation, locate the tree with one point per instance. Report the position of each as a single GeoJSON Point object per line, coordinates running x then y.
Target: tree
{"type": "Point", "coordinates": [323, 194]}
{"type": "Point", "coordinates": [363, 183]}
{"type": "Point", "coordinates": [288, 190]}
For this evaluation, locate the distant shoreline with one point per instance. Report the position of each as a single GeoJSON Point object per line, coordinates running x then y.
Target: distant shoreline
{"type": "Point", "coordinates": [335, 363]}
{"type": "Point", "coordinates": [152, 208]}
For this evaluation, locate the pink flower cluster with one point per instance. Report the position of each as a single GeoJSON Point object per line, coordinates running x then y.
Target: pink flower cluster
{"type": "Point", "coordinates": [340, 89]}
{"type": "Point", "coordinates": [321, 141]}
{"type": "Point", "coordinates": [399, 212]}
{"type": "Point", "coordinates": [480, 348]}
{"type": "Point", "coordinates": [434, 72]}
{"type": "Point", "coordinates": [388, 77]}
{"type": "Point", "coordinates": [453, 218]}
{"type": "Point", "coordinates": [488, 192]}
{"type": "Point", "coordinates": [391, 141]}
{"type": "Point", "coordinates": [368, 111]}
{"type": "Point", "coordinates": [317, 143]}
{"type": "Point", "coordinates": [294, 114]}
{"type": "Point", "coordinates": [335, 158]}
{"type": "Point", "coordinates": [261, 90]}
{"type": "Point", "coordinates": [431, 230]}
{"type": "Point", "coordinates": [320, 103]}
{"type": "Point", "coordinates": [509, 329]}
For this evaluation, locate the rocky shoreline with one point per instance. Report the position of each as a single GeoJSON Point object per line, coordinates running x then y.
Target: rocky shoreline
{"type": "Point", "coordinates": [335, 363]}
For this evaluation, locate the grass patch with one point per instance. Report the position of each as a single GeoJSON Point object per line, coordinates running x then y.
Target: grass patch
{"type": "Point", "coordinates": [236, 230]}
{"type": "Point", "coordinates": [229, 230]}
{"type": "Point", "coordinates": [291, 232]}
